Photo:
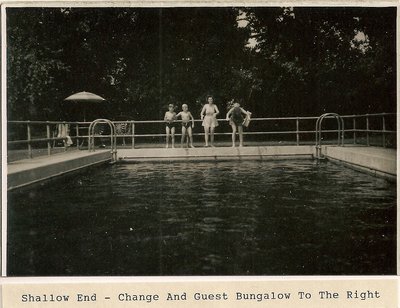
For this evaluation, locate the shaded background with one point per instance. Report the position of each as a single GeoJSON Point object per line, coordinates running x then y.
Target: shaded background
{"type": "Point", "coordinates": [277, 61]}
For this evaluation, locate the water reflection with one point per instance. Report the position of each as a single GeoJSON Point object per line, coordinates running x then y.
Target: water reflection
{"type": "Point", "coordinates": [225, 218]}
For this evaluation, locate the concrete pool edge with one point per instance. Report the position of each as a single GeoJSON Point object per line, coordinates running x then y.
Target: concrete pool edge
{"type": "Point", "coordinates": [215, 154]}
{"type": "Point", "coordinates": [31, 172]}
{"type": "Point", "coordinates": [213, 159]}
{"type": "Point", "coordinates": [387, 176]}
{"type": "Point", "coordinates": [376, 161]}
{"type": "Point", "coordinates": [379, 162]}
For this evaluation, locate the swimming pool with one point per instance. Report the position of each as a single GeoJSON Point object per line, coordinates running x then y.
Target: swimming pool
{"type": "Point", "coordinates": [289, 217]}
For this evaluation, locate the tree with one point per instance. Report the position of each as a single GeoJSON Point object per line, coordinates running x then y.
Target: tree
{"type": "Point", "coordinates": [35, 63]}
{"type": "Point", "coordinates": [306, 61]}
{"type": "Point", "coordinates": [311, 62]}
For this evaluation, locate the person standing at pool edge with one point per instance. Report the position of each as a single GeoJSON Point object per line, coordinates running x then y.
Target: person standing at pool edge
{"type": "Point", "coordinates": [236, 120]}
{"type": "Point", "coordinates": [169, 118]}
{"type": "Point", "coordinates": [187, 125]}
{"type": "Point", "coordinates": [209, 116]}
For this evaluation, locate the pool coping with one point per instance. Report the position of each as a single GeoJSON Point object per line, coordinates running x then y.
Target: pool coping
{"type": "Point", "coordinates": [379, 162]}
{"type": "Point", "coordinates": [214, 154]}
{"type": "Point", "coordinates": [33, 171]}
{"type": "Point", "coordinates": [376, 161]}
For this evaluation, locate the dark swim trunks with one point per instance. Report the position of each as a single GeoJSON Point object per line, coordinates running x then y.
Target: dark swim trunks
{"type": "Point", "coordinates": [170, 125]}
{"type": "Point", "coordinates": [187, 124]}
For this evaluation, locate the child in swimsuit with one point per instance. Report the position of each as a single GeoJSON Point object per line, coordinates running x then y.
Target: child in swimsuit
{"type": "Point", "coordinates": [169, 118]}
{"type": "Point", "coordinates": [209, 116]}
{"type": "Point", "coordinates": [236, 119]}
{"type": "Point", "coordinates": [187, 125]}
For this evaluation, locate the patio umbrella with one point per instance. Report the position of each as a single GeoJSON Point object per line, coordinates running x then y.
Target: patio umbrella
{"type": "Point", "coordinates": [85, 97]}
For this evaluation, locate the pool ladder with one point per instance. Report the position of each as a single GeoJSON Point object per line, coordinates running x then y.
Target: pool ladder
{"type": "Point", "coordinates": [113, 137]}
{"type": "Point", "coordinates": [318, 132]}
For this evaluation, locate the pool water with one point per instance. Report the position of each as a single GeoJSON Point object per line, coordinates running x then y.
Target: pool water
{"type": "Point", "coordinates": [289, 217]}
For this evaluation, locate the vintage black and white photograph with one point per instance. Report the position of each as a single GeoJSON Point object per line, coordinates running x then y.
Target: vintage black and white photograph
{"type": "Point", "coordinates": [200, 141]}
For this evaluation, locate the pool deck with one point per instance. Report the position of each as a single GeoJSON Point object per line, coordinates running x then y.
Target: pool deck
{"type": "Point", "coordinates": [377, 161]}
{"type": "Point", "coordinates": [215, 153]}
{"type": "Point", "coordinates": [29, 171]}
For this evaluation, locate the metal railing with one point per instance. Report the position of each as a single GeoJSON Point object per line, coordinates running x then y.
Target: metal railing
{"type": "Point", "coordinates": [318, 131]}
{"type": "Point", "coordinates": [362, 129]}
{"type": "Point", "coordinates": [113, 139]}
{"type": "Point", "coordinates": [47, 128]}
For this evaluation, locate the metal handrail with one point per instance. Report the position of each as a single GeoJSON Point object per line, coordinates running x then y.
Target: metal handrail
{"type": "Point", "coordinates": [81, 129]}
{"type": "Point", "coordinates": [112, 136]}
{"type": "Point", "coordinates": [318, 131]}
{"type": "Point", "coordinates": [197, 120]}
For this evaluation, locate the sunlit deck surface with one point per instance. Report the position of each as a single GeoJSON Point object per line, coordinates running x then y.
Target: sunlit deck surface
{"type": "Point", "coordinates": [378, 161]}
{"type": "Point", "coordinates": [215, 153]}
{"type": "Point", "coordinates": [29, 171]}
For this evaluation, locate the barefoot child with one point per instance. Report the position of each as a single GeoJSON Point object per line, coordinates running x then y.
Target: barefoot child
{"type": "Point", "coordinates": [169, 118]}
{"type": "Point", "coordinates": [187, 125]}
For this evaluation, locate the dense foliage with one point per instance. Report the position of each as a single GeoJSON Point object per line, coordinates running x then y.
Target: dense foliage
{"type": "Point", "coordinates": [300, 61]}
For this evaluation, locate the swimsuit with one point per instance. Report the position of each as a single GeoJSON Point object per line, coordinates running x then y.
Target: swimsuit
{"type": "Point", "coordinates": [186, 124]}
{"type": "Point", "coordinates": [209, 119]}
{"type": "Point", "coordinates": [236, 117]}
{"type": "Point", "coordinates": [170, 125]}
{"type": "Point", "coordinates": [170, 120]}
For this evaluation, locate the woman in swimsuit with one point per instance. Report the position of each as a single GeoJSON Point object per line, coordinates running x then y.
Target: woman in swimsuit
{"type": "Point", "coordinates": [236, 119]}
{"type": "Point", "coordinates": [209, 116]}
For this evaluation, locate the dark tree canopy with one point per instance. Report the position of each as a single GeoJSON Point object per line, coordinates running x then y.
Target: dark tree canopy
{"type": "Point", "coordinates": [326, 59]}
{"type": "Point", "coordinates": [303, 61]}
